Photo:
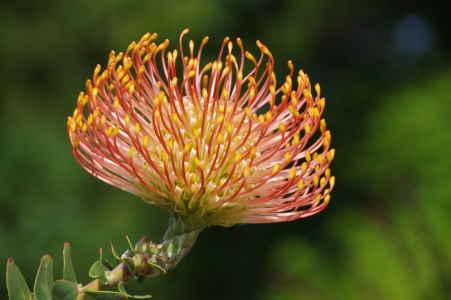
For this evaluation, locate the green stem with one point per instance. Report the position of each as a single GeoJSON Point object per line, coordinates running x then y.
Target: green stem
{"type": "Point", "coordinates": [178, 240]}
{"type": "Point", "coordinates": [176, 243]}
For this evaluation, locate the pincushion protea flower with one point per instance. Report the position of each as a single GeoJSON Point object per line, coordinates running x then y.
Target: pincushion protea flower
{"type": "Point", "coordinates": [209, 143]}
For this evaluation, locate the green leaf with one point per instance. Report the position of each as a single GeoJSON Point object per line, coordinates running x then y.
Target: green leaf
{"type": "Point", "coordinates": [157, 268]}
{"type": "Point", "coordinates": [131, 266]}
{"type": "Point", "coordinates": [129, 243]}
{"type": "Point", "coordinates": [102, 295]}
{"type": "Point", "coordinates": [117, 257]}
{"type": "Point", "coordinates": [64, 290]}
{"type": "Point", "coordinates": [16, 284]}
{"type": "Point", "coordinates": [44, 280]}
{"type": "Point", "coordinates": [132, 293]}
{"type": "Point", "coordinates": [95, 270]}
{"type": "Point", "coordinates": [68, 269]}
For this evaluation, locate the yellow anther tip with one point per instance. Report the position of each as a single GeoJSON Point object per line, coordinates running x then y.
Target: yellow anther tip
{"type": "Point", "coordinates": [332, 181]}
{"type": "Point", "coordinates": [300, 185]}
{"type": "Point", "coordinates": [276, 169]}
{"type": "Point", "coordinates": [131, 152]}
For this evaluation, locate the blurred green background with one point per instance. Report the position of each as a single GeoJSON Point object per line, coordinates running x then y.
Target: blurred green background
{"type": "Point", "coordinates": [384, 68]}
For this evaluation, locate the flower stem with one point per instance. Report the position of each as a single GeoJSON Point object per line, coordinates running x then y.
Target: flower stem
{"type": "Point", "coordinates": [150, 259]}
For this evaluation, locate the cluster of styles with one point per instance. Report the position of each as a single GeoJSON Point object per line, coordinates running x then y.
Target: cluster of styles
{"type": "Point", "coordinates": [209, 143]}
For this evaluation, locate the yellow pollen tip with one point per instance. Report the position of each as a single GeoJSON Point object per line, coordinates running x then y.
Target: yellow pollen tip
{"type": "Point", "coordinates": [248, 112]}
{"type": "Point", "coordinates": [175, 118]}
{"type": "Point", "coordinates": [276, 169]}
{"type": "Point", "coordinates": [308, 158]}
{"type": "Point", "coordinates": [141, 69]}
{"type": "Point", "coordinates": [327, 199]}
{"type": "Point", "coordinates": [281, 127]}
{"type": "Point", "coordinates": [80, 97]}
{"type": "Point", "coordinates": [251, 95]}
{"type": "Point", "coordinates": [246, 172]}
{"type": "Point", "coordinates": [116, 130]}
{"type": "Point", "coordinates": [103, 120]}
{"type": "Point", "coordinates": [300, 185]}
{"type": "Point", "coordinates": [145, 141]}
{"type": "Point", "coordinates": [249, 56]}
{"type": "Point", "coordinates": [323, 125]}
{"type": "Point", "coordinates": [328, 135]}
{"type": "Point", "coordinates": [164, 156]}
{"type": "Point", "coordinates": [90, 118]}
{"type": "Point", "coordinates": [327, 173]}
{"type": "Point", "coordinates": [320, 159]}
{"type": "Point", "coordinates": [238, 156]}
{"type": "Point", "coordinates": [308, 94]}
{"type": "Point", "coordinates": [196, 161]}
{"type": "Point", "coordinates": [127, 120]}
{"type": "Point", "coordinates": [170, 144]}
{"type": "Point", "coordinates": [330, 155]}
{"type": "Point", "coordinates": [174, 82]}
{"type": "Point", "coordinates": [225, 94]}
{"type": "Point", "coordinates": [187, 147]}
{"type": "Point", "coordinates": [317, 89]}
{"type": "Point", "coordinates": [287, 157]}
{"type": "Point", "coordinates": [131, 89]}
{"type": "Point", "coordinates": [316, 112]}
{"type": "Point", "coordinates": [220, 137]}
{"type": "Point", "coordinates": [146, 58]}
{"type": "Point", "coordinates": [292, 174]}
{"type": "Point", "coordinates": [109, 131]}
{"type": "Point", "coordinates": [196, 132]}
{"type": "Point", "coordinates": [304, 167]}
{"type": "Point", "coordinates": [253, 151]}
{"type": "Point", "coordinates": [191, 74]}
{"type": "Point", "coordinates": [307, 128]}
{"type": "Point", "coordinates": [332, 181]}
{"type": "Point", "coordinates": [220, 119]}
{"type": "Point", "coordinates": [322, 103]}
{"type": "Point", "coordinates": [131, 152]}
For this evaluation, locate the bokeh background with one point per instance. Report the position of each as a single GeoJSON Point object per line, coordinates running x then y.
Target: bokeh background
{"type": "Point", "coordinates": [384, 67]}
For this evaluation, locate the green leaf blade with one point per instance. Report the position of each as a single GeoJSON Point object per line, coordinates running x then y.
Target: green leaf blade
{"type": "Point", "coordinates": [132, 294]}
{"type": "Point", "coordinates": [15, 282]}
{"type": "Point", "coordinates": [64, 290]}
{"type": "Point", "coordinates": [68, 269]}
{"type": "Point", "coordinates": [44, 280]}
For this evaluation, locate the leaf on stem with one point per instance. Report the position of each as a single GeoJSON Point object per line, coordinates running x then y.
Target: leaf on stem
{"type": "Point", "coordinates": [44, 280]}
{"type": "Point", "coordinates": [132, 293]}
{"type": "Point", "coordinates": [68, 269]}
{"type": "Point", "coordinates": [64, 290]}
{"type": "Point", "coordinates": [15, 282]}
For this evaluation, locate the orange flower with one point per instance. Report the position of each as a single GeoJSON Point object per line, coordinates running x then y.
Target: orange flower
{"type": "Point", "coordinates": [210, 143]}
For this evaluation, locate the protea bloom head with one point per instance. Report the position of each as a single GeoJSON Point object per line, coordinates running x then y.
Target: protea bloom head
{"type": "Point", "coordinates": [210, 143]}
